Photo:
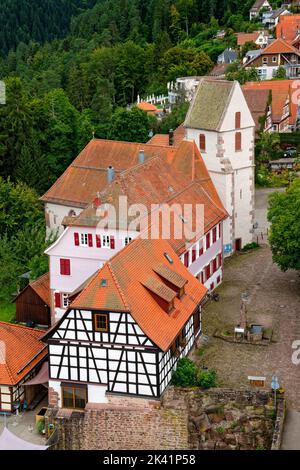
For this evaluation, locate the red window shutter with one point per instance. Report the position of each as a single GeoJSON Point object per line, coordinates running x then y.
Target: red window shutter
{"type": "Point", "coordinates": [220, 260]}
{"type": "Point", "coordinates": [194, 255]}
{"type": "Point", "coordinates": [202, 277]}
{"type": "Point", "coordinates": [202, 142]}
{"type": "Point", "coordinates": [208, 241]}
{"type": "Point", "coordinates": [76, 239]}
{"type": "Point", "coordinates": [220, 230]}
{"type": "Point", "coordinates": [90, 238]}
{"type": "Point", "coordinates": [207, 272]}
{"type": "Point", "coordinates": [98, 241]}
{"type": "Point", "coordinates": [201, 250]}
{"type": "Point", "coordinates": [65, 267]}
{"type": "Point", "coordinates": [237, 120]}
{"type": "Point", "coordinates": [215, 265]}
{"type": "Point", "coordinates": [57, 300]}
{"type": "Point", "coordinates": [238, 141]}
{"type": "Point", "coordinates": [112, 243]}
{"type": "Point", "coordinates": [186, 259]}
{"type": "Point", "coordinates": [215, 235]}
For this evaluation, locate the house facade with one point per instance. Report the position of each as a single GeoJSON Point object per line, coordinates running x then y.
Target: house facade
{"type": "Point", "coordinates": [84, 247]}
{"type": "Point", "coordinates": [127, 329]}
{"type": "Point", "coordinates": [258, 7]}
{"type": "Point", "coordinates": [220, 122]}
{"type": "Point", "coordinates": [279, 54]}
{"type": "Point", "coordinates": [283, 103]}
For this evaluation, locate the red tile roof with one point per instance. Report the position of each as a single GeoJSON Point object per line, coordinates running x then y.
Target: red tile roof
{"type": "Point", "coordinates": [129, 275]}
{"type": "Point", "coordinates": [87, 174]}
{"type": "Point", "coordinates": [182, 180]}
{"type": "Point", "coordinates": [279, 46]}
{"type": "Point", "coordinates": [163, 139]}
{"type": "Point", "coordinates": [282, 91]}
{"type": "Point", "coordinates": [147, 107]}
{"type": "Point", "coordinates": [242, 38]}
{"type": "Point", "coordinates": [288, 27]}
{"type": "Point", "coordinates": [257, 101]}
{"type": "Point", "coordinates": [21, 349]}
{"type": "Point", "coordinates": [41, 287]}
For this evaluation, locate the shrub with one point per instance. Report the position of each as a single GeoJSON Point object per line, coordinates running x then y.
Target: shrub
{"type": "Point", "coordinates": [250, 246]}
{"type": "Point", "coordinates": [207, 379]}
{"type": "Point", "coordinates": [185, 374]}
{"type": "Point", "coordinates": [40, 426]}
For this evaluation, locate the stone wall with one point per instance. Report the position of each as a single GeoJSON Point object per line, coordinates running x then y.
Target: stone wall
{"type": "Point", "coordinates": [184, 419]}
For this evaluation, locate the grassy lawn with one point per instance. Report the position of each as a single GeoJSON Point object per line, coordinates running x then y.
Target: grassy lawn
{"type": "Point", "coordinates": [7, 312]}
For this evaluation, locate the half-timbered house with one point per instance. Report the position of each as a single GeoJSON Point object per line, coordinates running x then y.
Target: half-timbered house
{"type": "Point", "coordinates": [22, 354]}
{"type": "Point", "coordinates": [126, 330]}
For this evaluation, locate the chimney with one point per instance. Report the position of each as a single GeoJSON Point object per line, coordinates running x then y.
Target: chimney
{"type": "Point", "coordinates": [142, 157]}
{"type": "Point", "coordinates": [171, 137]}
{"type": "Point", "coordinates": [110, 174]}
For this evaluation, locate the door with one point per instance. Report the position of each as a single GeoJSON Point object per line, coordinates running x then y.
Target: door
{"type": "Point", "coordinates": [238, 244]}
{"type": "Point", "coordinates": [197, 322]}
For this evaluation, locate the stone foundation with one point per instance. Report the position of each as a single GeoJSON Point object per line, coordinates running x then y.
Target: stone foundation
{"type": "Point", "coordinates": [185, 419]}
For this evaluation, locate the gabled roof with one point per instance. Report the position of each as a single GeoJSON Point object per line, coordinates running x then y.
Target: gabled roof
{"type": "Point", "coordinates": [281, 92]}
{"type": "Point", "coordinates": [209, 104]}
{"type": "Point", "coordinates": [87, 175]}
{"type": "Point", "coordinates": [130, 275]}
{"type": "Point", "coordinates": [243, 38]}
{"type": "Point", "coordinates": [279, 46]}
{"type": "Point", "coordinates": [21, 349]}
{"type": "Point", "coordinates": [258, 5]}
{"type": "Point", "coordinates": [41, 287]}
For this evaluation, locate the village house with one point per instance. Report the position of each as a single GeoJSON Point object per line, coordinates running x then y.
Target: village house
{"type": "Point", "coordinates": [22, 354]}
{"type": "Point", "coordinates": [270, 19]}
{"type": "Point", "coordinates": [258, 7]}
{"type": "Point", "coordinates": [283, 103]}
{"type": "Point", "coordinates": [125, 332]}
{"type": "Point", "coordinates": [288, 28]}
{"type": "Point", "coordinates": [220, 122]}
{"type": "Point", "coordinates": [88, 174]}
{"type": "Point", "coordinates": [258, 101]}
{"type": "Point", "coordinates": [228, 56]}
{"type": "Point", "coordinates": [277, 54]}
{"type": "Point", "coordinates": [84, 247]}
{"type": "Point", "coordinates": [260, 38]}
{"type": "Point", "coordinates": [33, 303]}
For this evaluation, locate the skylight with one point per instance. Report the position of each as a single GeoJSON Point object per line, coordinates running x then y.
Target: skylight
{"type": "Point", "coordinates": [103, 283]}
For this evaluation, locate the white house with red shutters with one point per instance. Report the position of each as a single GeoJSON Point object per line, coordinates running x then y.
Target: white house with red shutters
{"type": "Point", "coordinates": [83, 248]}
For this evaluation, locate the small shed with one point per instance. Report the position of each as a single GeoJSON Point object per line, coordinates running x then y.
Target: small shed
{"type": "Point", "coordinates": [33, 302]}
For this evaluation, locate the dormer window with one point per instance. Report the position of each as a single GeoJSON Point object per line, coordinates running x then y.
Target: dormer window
{"type": "Point", "coordinates": [173, 280]}
{"type": "Point", "coordinates": [161, 293]}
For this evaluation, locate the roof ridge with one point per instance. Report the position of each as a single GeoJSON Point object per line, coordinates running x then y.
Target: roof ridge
{"type": "Point", "coordinates": [117, 284]}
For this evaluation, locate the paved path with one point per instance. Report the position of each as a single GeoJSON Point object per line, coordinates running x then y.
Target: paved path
{"type": "Point", "coordinates": [291, 435]}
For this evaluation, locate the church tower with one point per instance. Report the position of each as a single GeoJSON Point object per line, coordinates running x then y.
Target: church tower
{"type": "Point", "coordinates": [221, 124]}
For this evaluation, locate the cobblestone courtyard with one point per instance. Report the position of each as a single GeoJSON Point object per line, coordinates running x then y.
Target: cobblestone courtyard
{"type": "Point", "coordinates": [274, 302]}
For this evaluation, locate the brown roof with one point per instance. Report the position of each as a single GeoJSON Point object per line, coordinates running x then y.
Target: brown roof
{"type": "Point", "coordinates": [41, 287]}
{"type": "Point", "coordinates": [288, 27]}
{"type": "Point", "coordinates": [257, 101]}
{"type": "Point", "coordinates": [128, 273]}
{"type": "Point", "coordinates": [242, 38]}
{"type": "Point", "coordinates": [282, 91]}
{"type": "Point", "coordinates": [21, 349]}
{"type": "Point", "coordinates": [87, 175]}
{"type": "Point", "coordinates": [147, 107]}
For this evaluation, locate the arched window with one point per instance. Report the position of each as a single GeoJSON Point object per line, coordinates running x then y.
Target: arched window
{"type": "Point", "coordinates": [238, 120]}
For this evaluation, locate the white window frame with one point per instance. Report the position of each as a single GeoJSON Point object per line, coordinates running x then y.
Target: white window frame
{"type": "Point", "coordinates": [84, 239]}
{"type": "Point", "coordinates": [65, 302]}
{"type": "Point", "coordinates": [105, 241]}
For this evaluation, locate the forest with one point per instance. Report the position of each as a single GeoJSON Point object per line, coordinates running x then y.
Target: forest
{"type": "Point", "coordinates": [71, 67]}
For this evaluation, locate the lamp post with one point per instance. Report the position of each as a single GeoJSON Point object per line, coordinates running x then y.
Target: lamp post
{"type": "Point", "coordinates": [275, 386]}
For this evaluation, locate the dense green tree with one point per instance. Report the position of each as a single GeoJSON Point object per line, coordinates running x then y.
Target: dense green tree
{"type": "Point", "coordinates": [130, 125]}
{"type": "Point", "coordinates": [284, 210]}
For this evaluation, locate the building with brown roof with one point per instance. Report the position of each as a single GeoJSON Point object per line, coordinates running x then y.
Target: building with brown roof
{"type": "Point", "coordinates": [33, 302]}
{"type": "Point", "coordinates": [128, 328]}
{"type": "Point", "coordinates": [22, 353]}
{"type": "Point", "coordinates": [278, 54]}
{"type": "Point", "coordinates": [258, 101]}
{"type": "Point", "coordinates": [284, 100]}
{"type": "Point", "coordinates": [257, 8]}
{"type": "Point", "coordinates": [288, 28]}
{"type": "Point", "coordinates": [260, 38]}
